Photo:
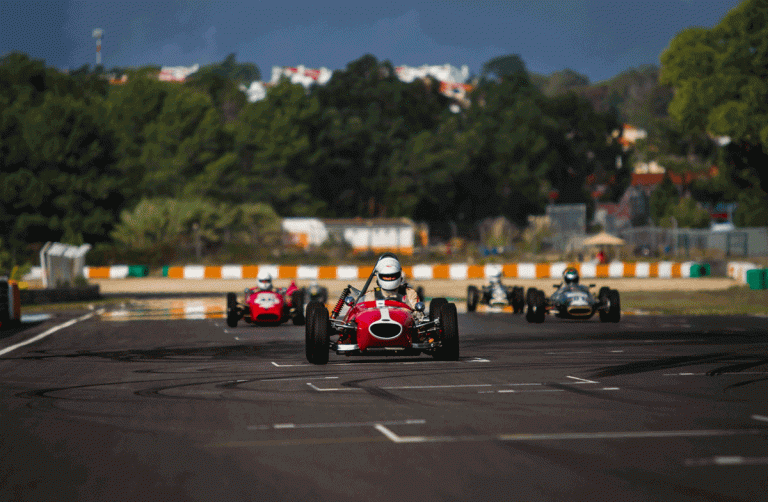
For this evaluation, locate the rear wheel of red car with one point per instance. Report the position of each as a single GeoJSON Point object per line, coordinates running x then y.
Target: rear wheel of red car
{"type": "Point", "coordinates": [449, 325]}
{"type": "Point", "coordinates": [318, 336]}
{"type": "Point", "coordinates": [232, 312]}
{"type": "Point", "coordinates": [297, 299]}
{"type": "Point", "coordinates": [434, 307]}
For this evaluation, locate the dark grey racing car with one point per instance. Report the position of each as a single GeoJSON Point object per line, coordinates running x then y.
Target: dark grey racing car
{"type": "Point", "coordinates": [573, 301]}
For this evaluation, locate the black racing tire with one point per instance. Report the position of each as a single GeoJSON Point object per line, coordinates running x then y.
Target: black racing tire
{"type": "Point", "coordinates": [318, 336]}
{"type": "Point", "coordinates": [473, 295]}
{"type": "Point", "coordinates": [434, 307]}
{"type": "Point", "coordinates": [297, 299]}
{"type": "Point", "coordinates": [420, 293]}
{"type": "Point", "coordinates": [312, 309]}
{"type": "Point", "coordinates": [541, 307]}
{"type": "Point", "coordinates": [5, 304]}
{"type": "Point", "coordinates": [603, 291]}
{"type": "Point", "coordinates": [537, 306]}
{"type": "Point", "coordinates": [233, 313]}
{"type": "Point", "coordinates": [614, 313]}
{"type": "Point", "coordinates": [518, 299]}
{"type": "Point", "coordinates": [449, 341]}
{"type": "Point", "coordinates": [530, 300]}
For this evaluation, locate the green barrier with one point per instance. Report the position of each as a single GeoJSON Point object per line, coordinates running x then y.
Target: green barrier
{"type": "Point", "coordinates": [138, 271]}
{"type": "Point", "coordinates": [700, 270]}
{"type": "Point", "coordinates": [757, 278]}
{"type": "Point", "coordinates": [165, 270]}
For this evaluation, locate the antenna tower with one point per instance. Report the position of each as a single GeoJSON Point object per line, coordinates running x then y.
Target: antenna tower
{"type": "Point", "coordinates": [97, 34]}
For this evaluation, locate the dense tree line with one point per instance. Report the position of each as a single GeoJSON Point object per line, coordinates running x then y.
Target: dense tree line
{"type": "Point", "coordinates": [152, 165]}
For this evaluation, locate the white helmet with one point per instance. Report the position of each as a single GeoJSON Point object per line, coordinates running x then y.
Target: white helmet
{"type": "Point", "coordinates": [264, 280]}
{"type": "Point", "coordinates": [496, 277]}
{"type": "Point", "coordinates": [389, 273]}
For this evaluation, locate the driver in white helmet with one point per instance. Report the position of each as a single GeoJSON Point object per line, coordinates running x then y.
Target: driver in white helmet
{"type": "Point", "coordinates": [264, 281]}
{"type": "Point", "coordinates": [391, 284]}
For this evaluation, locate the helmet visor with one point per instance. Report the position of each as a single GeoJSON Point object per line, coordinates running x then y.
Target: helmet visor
{"type": "Point", "coordinates": [390, 276]}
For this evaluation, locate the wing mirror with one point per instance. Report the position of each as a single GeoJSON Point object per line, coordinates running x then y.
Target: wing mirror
{"type": "Point", "coordinates": [419, 307]}
{"type": "Point", "coordinates": [349, 301]}
{"type": "Point", "coordinates": [592, 285]}
{"type": "Point", "coordinates": [555, 285]}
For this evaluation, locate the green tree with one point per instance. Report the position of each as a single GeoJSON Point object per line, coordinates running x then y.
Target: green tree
{"type": "Point", "coordinates": [57, 167]}
{"type": "Point", "coordinates": [273, 151]}
{"type": "Point", "coordinates": [366, 115]}
{"type": "Point", "coordinates": [720, 76]}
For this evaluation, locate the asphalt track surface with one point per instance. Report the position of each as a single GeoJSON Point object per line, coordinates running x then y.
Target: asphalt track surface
{"type": "Point", "coordinates": [149, 408]}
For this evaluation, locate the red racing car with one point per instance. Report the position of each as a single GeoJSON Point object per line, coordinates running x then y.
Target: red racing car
{"type": "Point", "coordinates": [381, 327]}
{"type": "Point", "coordinates": [267, 307]}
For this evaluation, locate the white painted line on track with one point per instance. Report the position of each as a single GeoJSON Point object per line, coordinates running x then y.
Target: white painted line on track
{"type": "Point", "coordinates": [737, 373]}
{"type": "Point", "coordinates": [760, 418]}
{"type": "Point", "coordinates": [318, 389]}
{"type": "Point", "coordinates": [406, 439]}
{"type": "Point", "coordinates": [326, 425]}
{"type": "Point", "coordinates": [628, 435]}
{"type": "Point", "coordinates": [50, 332]}
{"type": "Point", "coordinates": [418, 387]}
{"type": "Point", "coordinates": [566, 436]}
{"type": "Point", "coordinates": [297, 378]}
{"type": "Point", "coordinates": [581, 380]}
{"type": "Point", "coordinates": [726, 461]}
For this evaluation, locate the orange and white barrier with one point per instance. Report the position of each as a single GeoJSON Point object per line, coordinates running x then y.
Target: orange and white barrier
{"type": "Point", "coordinates": [447, 271]}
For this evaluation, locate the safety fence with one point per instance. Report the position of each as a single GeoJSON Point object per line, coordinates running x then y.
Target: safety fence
{"type": "Point", "coordinates": [454, 271]}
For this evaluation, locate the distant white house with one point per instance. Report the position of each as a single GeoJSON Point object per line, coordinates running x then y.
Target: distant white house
{"type": "Point", "coordinates": [363, 234]}
{"type": "Point", "coordinates": [375, 235]}
{"type": "Point", "coordinates": [177, 73]}
{"type": "Point", "coordinates": [305, 232]}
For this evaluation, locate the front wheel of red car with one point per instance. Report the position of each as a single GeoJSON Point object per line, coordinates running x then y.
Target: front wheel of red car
{"type": "Point", "coordinates": [434, 307]}
{"type": "Point", "coordinates": [318, 336]}
{"type": "Point", "coordinates": [449, 342]}
{"type": "Point", "coordinates": [232, 312]}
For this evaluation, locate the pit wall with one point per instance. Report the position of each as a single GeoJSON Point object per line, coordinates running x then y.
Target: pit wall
{"type": "Point", "coordinates": [455, 271]}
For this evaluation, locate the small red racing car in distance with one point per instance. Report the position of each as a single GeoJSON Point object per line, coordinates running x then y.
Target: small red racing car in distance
{"type": "Point", "coordinates": [381, 327]}
{"type": "Point", "coordinates": [267, 307]}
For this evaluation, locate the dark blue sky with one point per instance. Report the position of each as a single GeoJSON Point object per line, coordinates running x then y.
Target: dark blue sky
{"type": "Point", "coordinates": [596, 38]}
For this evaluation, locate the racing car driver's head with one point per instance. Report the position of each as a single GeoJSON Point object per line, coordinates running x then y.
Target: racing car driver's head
{"type": "Point", "coordinates": [389, 273]}
{"type": "Point", "coordinates": [264, 280]}
{"type": "Point", "coordinates": [571, 276]}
